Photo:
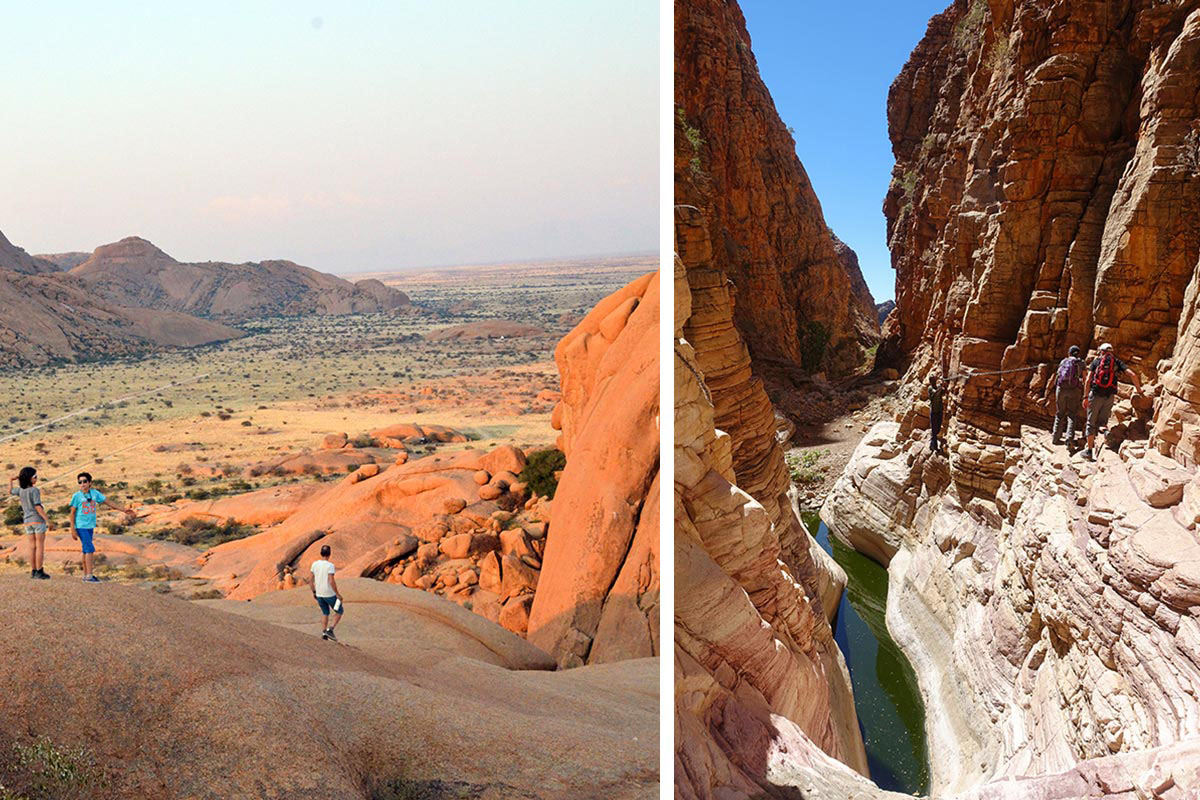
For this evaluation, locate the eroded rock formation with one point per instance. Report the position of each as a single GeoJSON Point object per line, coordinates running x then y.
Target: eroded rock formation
{"type": "Point", "coordinates": [736, 162]}
{"type": "Point", "coordinates": [751, 636]}
{"type": "Point", "coordinates": [1047, 173]}
{"type": "Point", "coordinates": [1045, 182]}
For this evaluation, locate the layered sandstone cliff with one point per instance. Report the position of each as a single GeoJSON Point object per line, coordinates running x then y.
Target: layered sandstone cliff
{"type": "Point", "coordinates": [1047, 164]}
{"type": "Point", "coordinates": [1041, 198]}
{"type": "Point", "coordinates": [757, 672]}
{"type": "Point", "coordinates": [133, 272]}
{"type": "Point", "coordinates": [736, 162]}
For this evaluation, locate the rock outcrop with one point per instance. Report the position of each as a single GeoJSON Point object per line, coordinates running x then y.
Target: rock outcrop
{"type": "Point", "coordinates": [597, 598]}
{"type": "Point", "coordinates": [133, 272]}
{"type": "Point", "coordinates": [756, 668]}
{"type": "Point", "coordinates": [1045, 179]}
{"type": "Point", "coordinates": [102, 704]}
{"type": "Point", "coordinates": [736, 162]}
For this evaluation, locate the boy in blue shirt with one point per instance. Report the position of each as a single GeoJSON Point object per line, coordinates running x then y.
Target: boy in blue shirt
{"type": "Point", "coordinates": [87, 502]}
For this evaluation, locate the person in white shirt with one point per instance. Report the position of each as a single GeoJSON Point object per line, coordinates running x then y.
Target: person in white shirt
{"type": "Point", "coordinates": [324, 588]}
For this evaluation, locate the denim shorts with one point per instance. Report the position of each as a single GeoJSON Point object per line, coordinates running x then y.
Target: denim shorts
{"type": "Point", "coordinates": [327, 605]}
{"type": "Point", "coordinates": [33, 529]}
{"type": "Point", "coordinates": [85, 538]}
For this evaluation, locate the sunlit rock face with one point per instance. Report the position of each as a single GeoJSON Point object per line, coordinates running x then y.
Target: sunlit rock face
{"type": "Point", "coordinates": [1044, 195]}
{"type": "Point", "coordinates": [1046, 183]}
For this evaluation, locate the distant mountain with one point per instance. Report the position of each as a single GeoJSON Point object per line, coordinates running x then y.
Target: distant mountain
{"type": "Point", "coordinates": [883, 309]}
{"type": "Point", "coordinates": [65, 261]}
{"type": "Point", "coordinates": [133, 272]}
{"type": "Point", "coordinates": [43, 319]}
{"type": "Point", "coordinates": [16, 259]}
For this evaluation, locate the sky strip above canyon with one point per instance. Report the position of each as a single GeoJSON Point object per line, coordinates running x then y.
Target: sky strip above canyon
{"type": "Point", "coordinates": [828, 69]}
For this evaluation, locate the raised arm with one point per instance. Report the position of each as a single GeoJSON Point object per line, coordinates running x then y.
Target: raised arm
{"type": "Point", "coordinates": [126, 510]}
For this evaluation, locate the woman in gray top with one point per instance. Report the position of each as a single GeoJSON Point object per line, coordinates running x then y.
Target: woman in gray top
{"type": "Point", "coordinates": [36, 521]}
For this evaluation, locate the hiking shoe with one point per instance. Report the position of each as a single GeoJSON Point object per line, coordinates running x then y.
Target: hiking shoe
{"type": "Point", "coordinates": [329, 635]}
{"type": "Point", "coordinates": [91, 579]}
{"type": "Point", "coordinates": [41, 575]}
{"type": "Point", "coordinates": [1088, 455]}
{"type": "Point", "coordinates": [325, 633]}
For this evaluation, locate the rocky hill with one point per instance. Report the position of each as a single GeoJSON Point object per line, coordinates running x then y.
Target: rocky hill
{"type": "Point", "coordinates": [46, 318]}
{"type": "Point", "coordinates": [15, 259]}
{"type": "Point", "coordinates": [736, 162]}
{"type": "Point", "coordinates": [1047, 173]}
{"type": "Point", "coordinates": [883, 309]}
{"type": "Point", "coordinates": [133, 272]}
{"type": "Point", "coordinates": [153, 697]}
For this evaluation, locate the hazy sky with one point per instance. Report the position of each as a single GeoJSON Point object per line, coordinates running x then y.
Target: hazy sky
{"type": "Point", "coordinates": [344, 136]}
{"type": "Point", "coordinates": [829, 74]}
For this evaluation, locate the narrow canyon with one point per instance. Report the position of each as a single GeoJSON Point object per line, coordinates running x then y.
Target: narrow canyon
{"type": "Point", "coordinates": [1046, 179]}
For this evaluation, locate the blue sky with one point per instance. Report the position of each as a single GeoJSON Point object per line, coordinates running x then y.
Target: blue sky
{"type": "Point", "coordinates": [829, 72]}
{"type": "Point", "coordinates": [345, 136]}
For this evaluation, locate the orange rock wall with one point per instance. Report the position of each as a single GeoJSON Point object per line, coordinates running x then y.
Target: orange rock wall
{"type": "Point", "coordinates": [1046, 182]}
{"type": "Point", "coordinates": [597, 597]}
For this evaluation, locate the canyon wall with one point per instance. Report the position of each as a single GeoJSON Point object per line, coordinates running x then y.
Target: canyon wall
{"type": "Point", "coordinates": [735, 161]}
{"type": "Point", "coordinates": [1047, 175]}
{"type": "Point", "coordinates": [756, 668]}
{"type": "Point", "coordinates": [1046, 182]}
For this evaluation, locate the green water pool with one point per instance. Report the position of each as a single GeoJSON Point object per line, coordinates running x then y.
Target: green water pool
{"type": "Point", "coordinates": [890, 711]}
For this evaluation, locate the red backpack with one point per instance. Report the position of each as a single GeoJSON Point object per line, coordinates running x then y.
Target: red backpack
{"type": "Point", "coordinates": [1105, 376]}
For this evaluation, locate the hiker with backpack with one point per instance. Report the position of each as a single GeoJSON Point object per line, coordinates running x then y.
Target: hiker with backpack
{"type": "Point", "coordinates": [1068, 396]}
{"type": "Point", "coordinates": [1102, 391]}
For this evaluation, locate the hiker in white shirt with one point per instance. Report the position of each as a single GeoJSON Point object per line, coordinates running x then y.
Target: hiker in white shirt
{"type": "Point", "coordinates": [325, 590]}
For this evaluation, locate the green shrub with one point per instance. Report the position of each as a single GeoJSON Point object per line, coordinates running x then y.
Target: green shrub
{"type": "Point", "coordinates": [539, 471]}
{"type": "Point", "coordinates": [806, 467]}
{"type": "Point", "coordinates": [695, 139]}
{"type": "Point", "coordinates": [968, 31]}
{"type": "Point", "coordinates": [198, 532]}
{"type": "Point", "coordinates": [13, 515]}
